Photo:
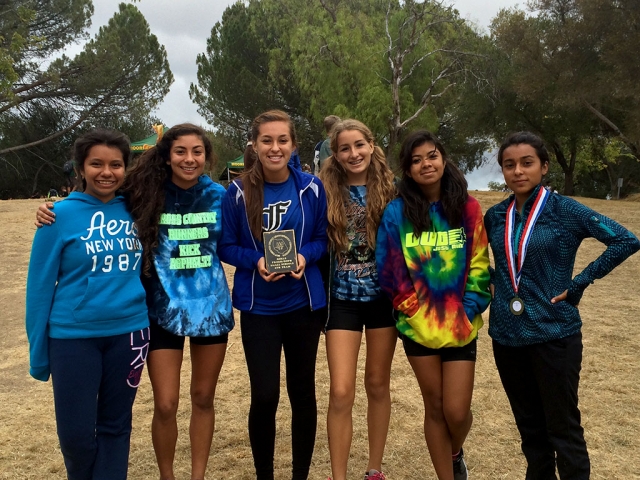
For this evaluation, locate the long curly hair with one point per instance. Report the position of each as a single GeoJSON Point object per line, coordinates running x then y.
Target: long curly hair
{"type": "Point", "coordinates": [453, 186]}
{"type": "Point", "coordinates": [144, 186]}
{"type": "Point", "coordinates": [253, 178]}
{"type": "Point", "coordinates": [379, 183]}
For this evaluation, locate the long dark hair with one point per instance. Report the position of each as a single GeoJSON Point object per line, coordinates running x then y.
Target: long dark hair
{"type": "Point", "coordinates": [526, 138]}
{"type": "Point", "coordinates": [100, 136]}
{"type": "Point", "coordinates": [144, 186]}
{"type": "Point", "coordinates": [453, 186]}
{"type": "Point", "coordinates": [253, 179]}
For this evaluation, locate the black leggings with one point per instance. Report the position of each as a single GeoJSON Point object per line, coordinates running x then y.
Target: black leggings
{"type": "Point", "coordinates": [263, 338]}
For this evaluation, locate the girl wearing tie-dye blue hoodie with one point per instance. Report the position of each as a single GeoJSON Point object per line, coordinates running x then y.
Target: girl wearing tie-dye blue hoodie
{"type": "Point", "coordinates": [177, 210]}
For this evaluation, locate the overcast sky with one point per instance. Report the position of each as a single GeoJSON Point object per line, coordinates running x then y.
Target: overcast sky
{"type": "Point", "coordinates": [184, 26]}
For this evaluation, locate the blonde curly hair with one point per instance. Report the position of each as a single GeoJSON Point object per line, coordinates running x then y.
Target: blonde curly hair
{"type": "Point", "coordinates": [380, 188]}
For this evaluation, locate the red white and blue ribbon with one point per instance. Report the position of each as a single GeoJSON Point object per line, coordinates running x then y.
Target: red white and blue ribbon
{"type": "Point", "coordinates": [538, 205]}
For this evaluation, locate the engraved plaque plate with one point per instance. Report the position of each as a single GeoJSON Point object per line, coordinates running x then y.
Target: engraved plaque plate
{"type": "Point", "coordinates": [280, 251]}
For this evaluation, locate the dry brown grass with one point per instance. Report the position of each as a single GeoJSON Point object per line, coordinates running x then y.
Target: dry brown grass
{"type": "Point", "coordinates": [609, 396]}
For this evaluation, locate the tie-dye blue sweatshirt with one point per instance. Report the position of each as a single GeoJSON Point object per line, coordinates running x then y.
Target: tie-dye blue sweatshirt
{"type": "Point", "coordinates": [187, 293]}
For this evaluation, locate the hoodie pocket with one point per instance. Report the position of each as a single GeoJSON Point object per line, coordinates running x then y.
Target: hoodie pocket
{"type": "Point", "coordinates": [409, 306]}
{"type": "Point", "coordinates": [463, 326]}
{"type": "Point", "coordinates": [111, 298]}
{"type": "Point", "coordinates": [447, 326]}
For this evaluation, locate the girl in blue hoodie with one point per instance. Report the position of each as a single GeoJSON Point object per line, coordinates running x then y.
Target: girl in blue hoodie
{"type": "Point", "coordinates": [278, 311]}
{"type": "Point", "coordinates": [177, 210]}
{"type": "Point", "coordinates": [86, 316]}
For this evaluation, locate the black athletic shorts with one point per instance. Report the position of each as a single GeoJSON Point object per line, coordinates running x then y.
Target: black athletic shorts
{"type": "Point", "coordinates": [447, 354]}
{"type": "Point", "coordinates": [163, 339]}
{"type": "Point", "coordinates": [350, 315]}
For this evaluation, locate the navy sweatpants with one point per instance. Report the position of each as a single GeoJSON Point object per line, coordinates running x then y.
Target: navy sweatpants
{"type": "Point", "coordinates": [95, 381]}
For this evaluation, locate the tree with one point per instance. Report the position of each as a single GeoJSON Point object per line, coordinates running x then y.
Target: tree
{"type": "Point", "coordinates": [603, 160]}
{"type": "Point", "coordinates": [33, 30]}
{"type": "Point", "coordinates": [426, 41]}
{"type": "Point", "coordinates": [36, 169]}
{"type": "Point", "coordinates": [531, 86]}
{"type": "Point", "coordinates": [601, 49]}
{"type": "Point", "coordinates": [122, 72]}
{"type": "Point", "coordinates": [497, 186]}
{"type": "Point", "coordinates": [600, 60]}
{"type": "Point", "coordinates": [235, 82]}
{"type": "Point", "coordinates": [385, 62]}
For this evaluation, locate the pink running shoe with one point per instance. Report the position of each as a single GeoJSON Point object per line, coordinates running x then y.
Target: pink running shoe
{"type": "Point", "coordinates": [374, 475]}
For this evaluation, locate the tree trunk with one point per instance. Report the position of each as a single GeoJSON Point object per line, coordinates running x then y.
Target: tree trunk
{"type": "Point", "coordinates": [34, 187]}
{"type": "Point", "coordinates": [392, 160]}
{"type": "Point", "coordinates": [568, 183]}
{"type": "Point", "coordinates": [567, 168]}
{"type": "Point", "coordinates": [613, 178]}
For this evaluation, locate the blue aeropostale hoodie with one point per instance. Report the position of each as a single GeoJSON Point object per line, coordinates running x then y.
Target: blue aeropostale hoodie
{"type": "Point", "coordinates": [84, 277]}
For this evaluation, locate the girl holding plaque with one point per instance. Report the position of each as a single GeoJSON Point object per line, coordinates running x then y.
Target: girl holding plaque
{"type": "Point", "coordinates": [177, 213]}
{"type": "Point", "coordinates": [433, 262]}
{"type": "Point", "coordinates": [279, 311]}
{"type": "Point", "coordinates": [359, 186]}
{"type": "Point", "coordinates": [534, 320]}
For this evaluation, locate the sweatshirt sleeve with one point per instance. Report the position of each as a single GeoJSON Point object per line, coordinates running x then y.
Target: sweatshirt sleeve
{"type": "Point", "coordinates": [42, 278]}
{"type": "Point", "coordinates": [586, 223]}
{"type": "Point", "coordinates": [230, 249]}
{"type": "Point", "coordinates": [393, 273]}
{"type": "Point", "coordinates": [476, 296]}
{"type": "Point", "coordinates": [313, 250]}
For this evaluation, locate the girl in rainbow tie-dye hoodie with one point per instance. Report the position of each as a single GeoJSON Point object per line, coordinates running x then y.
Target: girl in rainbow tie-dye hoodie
{"type": "Point", "coordinates": [433, 262]}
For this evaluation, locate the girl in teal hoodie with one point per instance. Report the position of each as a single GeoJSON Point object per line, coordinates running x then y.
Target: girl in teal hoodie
{"type": "Point", "coordinates": [86, 316]}
{"type": "Point", "coordinates": [177, 210]}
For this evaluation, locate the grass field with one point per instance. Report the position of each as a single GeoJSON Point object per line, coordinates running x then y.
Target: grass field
{"type": "Point", "coordinates": [609, 394]}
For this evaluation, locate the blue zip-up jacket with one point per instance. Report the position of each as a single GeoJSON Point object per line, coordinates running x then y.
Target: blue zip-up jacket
{"type": "Point", "coordinates": [84, 277]}
{"type": "Point", "coordinates": [548, 268]}
{"type": "Point", "coordinates": [187, 292]}
{"type": "Point", "coordinates": [239, 248]}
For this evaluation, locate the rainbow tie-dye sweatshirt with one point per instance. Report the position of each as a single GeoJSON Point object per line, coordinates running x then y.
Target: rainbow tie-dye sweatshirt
{"type": "Point", "coordinates": [438, 283]}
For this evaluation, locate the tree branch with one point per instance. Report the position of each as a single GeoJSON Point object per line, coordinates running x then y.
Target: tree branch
{"type": "Point", "coordinates": [329, 11]}
{"type": "Point", "coordinates": [428, 95]}
{"type": "Point", "coordinates": [53, 136]}
{"type": "Point", "coordinates": [632, 146]}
